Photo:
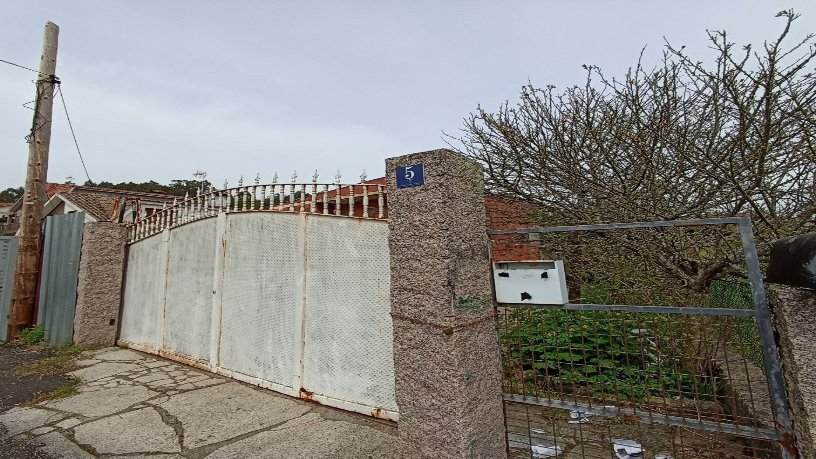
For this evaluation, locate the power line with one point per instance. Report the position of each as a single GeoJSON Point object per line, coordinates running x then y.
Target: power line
{"type": "Point", "coordinates": [59, 88]}
{"type": "Point", "coordinates": [34, 128]}
{"type": "Point", "coordinates": [18, 65]}
{"type": "Point", "coordinates": [56, 82]}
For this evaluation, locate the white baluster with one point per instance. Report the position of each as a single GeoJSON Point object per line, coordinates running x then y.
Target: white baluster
{"type": "Point", "coordinates": [380, 201]}
{"type": "Point", "coordinates": [197, 206]}
{"type": "Point", "coordinates": [337, 192]}
{"type": "Point", "coordinates": [326, 199]}
{"type": "Point", "coordinates": [164, 216]}
{"type": "Point", "coordinates": [363, 178]}
{"type": "Point", "coordinates": [351, 201]}
{"type": "Point", "coordinates": [313, 207]}
{"type": "Point", "coordinates": [272, 204]}
{"type": "Point", "coordinates": [292, 192]}
{"type": "Point", "coordinates": [365, 201]}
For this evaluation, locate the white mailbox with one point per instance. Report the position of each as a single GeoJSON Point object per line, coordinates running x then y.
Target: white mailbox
{"type": "Point", "coordinates": [533, 282]}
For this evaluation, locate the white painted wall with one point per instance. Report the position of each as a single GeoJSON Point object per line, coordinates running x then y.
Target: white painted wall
{"type": "Point", "coordinates": [284, 301]}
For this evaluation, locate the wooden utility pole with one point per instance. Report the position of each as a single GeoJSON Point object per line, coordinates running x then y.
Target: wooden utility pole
{"type": "Point", "coordinates": [24, 292]}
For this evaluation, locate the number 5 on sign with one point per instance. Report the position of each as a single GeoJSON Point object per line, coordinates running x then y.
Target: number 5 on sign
{"type": "Point", "coordinates": [413, 175]}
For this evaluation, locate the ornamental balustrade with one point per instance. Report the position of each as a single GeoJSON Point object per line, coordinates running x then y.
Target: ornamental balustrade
{"type": "Point", "coordinates": [357, 200]}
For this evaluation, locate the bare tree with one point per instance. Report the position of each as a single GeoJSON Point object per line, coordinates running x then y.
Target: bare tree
{"type": "Point", "coordinates": [685, 139]}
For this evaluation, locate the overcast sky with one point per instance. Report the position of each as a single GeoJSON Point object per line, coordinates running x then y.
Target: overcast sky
{"type": "Point", "coordinates": [158, 89]}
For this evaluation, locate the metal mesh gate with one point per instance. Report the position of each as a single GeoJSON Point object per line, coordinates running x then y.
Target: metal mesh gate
{"type": "Point", "coordinates": [262, 299]}
{"type": "Point", "coordinates": [616, 374]}
{"type": "Point", "coordinates": [356, 334]}
{"type": "Point", "coordinates": [146, 276]}
{"type": "Point", "coordinates": [188, 312]}
{"type": "Point", "coordinates": [298, 303]}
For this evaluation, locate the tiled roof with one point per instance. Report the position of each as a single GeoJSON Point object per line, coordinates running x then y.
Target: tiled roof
{"type": "Point", "coordinates": [53, 188]}
{"type": "Point", "coordinates": [102, 200]}
{"type": "Point", "coordinates": [99, 206]}
{"type": "Point", "coordinates": [127, 193]}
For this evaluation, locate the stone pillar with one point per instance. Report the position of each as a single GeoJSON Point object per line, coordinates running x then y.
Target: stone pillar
{"type": "Point", "coordinates": [794, 313]}
{"type": "Point", "coordinates": [446, 350]}
{"type": "Point", "coordinates": [99, 292]}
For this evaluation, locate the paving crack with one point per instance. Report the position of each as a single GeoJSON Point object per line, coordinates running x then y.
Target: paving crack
{"type": "Point", "coordinates": [204, 451]}
{"type": "Point", "coordinates": [172, 422]}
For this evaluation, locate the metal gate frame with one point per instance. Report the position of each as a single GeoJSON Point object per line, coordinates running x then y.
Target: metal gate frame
{"type": "Point", "coordinates": [761, 313]}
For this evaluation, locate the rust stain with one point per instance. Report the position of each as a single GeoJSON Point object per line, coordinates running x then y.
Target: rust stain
{"type": "Point", "coordinates": [788, 442]}
{"type": "Point", "coordinates": [182, 359]}
{"type": "Point", "coordinates": [306, 395]}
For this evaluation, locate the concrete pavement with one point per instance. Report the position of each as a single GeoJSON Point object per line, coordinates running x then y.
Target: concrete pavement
{"type": "Point", "coordinates": [136, 405]}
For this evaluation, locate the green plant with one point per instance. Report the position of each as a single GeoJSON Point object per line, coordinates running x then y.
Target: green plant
{"type": "Point", "coordinates": [70, 388]}
{"type": "Point", "coordinates": [608, 354]}
{"type": "Point", "coordinates": [65, 391]}
{"type": "Point", "coordinates": [32, 335]}
{"type": "Point", "coordinates": [737, 295]}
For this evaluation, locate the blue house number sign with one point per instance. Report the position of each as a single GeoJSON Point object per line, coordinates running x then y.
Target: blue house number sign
{"type": "Point", "coordinates": [413, 175]}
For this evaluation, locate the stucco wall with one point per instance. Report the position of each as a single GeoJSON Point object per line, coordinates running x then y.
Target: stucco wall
{"type": "Point", "coordinates": [100, 284]}
{"type": "Point", "coordinates": [446, 350]}
{"type": "Point", "coordinates": [795, 316]}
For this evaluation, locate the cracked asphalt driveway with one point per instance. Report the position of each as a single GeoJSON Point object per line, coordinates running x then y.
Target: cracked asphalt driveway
{"type": "Point", "coordinates": [136, 405]}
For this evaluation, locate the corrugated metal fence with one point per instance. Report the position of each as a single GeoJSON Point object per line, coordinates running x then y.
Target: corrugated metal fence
{"type": "Point", "coordinates": [298, 303]}
{"type": "Point", "coordinates": [59, 276]}
{"type": "Point", "coordinates": [8, 261]}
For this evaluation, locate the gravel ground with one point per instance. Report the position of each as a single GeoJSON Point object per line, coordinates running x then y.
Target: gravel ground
{"type": "Point", "coordinates": [21, 389]}
{"type": "Point", "coordinates": [12, 448]}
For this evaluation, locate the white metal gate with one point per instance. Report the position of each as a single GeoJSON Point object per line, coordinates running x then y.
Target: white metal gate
{"type": "Point", "coordinates": [294, 302]}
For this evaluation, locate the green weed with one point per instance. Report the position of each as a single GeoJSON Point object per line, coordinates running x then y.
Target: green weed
{"type": "Point", "coordinates": [32, 335]}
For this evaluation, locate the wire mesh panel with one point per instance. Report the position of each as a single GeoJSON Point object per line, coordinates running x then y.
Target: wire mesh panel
{"type": "Point", "coordinates": [536, 431]}
{"type": "Point", "coordinates": [651, 357]}
{"type": "Point", "coordinates": [633, 376]}
{"type": "Point", "coordinates": [348, 332]}
{"type": "Point", "coordinates": [263, 284]}
{"type": "Point", "coordinates": [143, 304]}
{"type": "Point", "coordinates": [190, 274]}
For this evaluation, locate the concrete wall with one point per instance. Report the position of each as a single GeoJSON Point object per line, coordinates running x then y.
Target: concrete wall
{"type": "Point", "coordinates": [297, 303]}
{"type": "Point", "coordinates": [446, 350]}
{"type": "Point", "coordinates": [100, 284]}
{"type": "Point", "coordinates": [795, 316]}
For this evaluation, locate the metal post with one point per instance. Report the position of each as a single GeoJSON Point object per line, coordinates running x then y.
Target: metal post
{"type": "Point", "coordinates": [776, 383]}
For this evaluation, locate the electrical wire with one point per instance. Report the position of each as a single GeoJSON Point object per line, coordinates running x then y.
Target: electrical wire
{"type": "Point", "coordinates": [37, 114]}
{"type": "Point", "coordinates": [71, 126]}
{"type": "Point", "coordinates": [18, 65]}
{"type": "Point", "coordinates": [55, 81]}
